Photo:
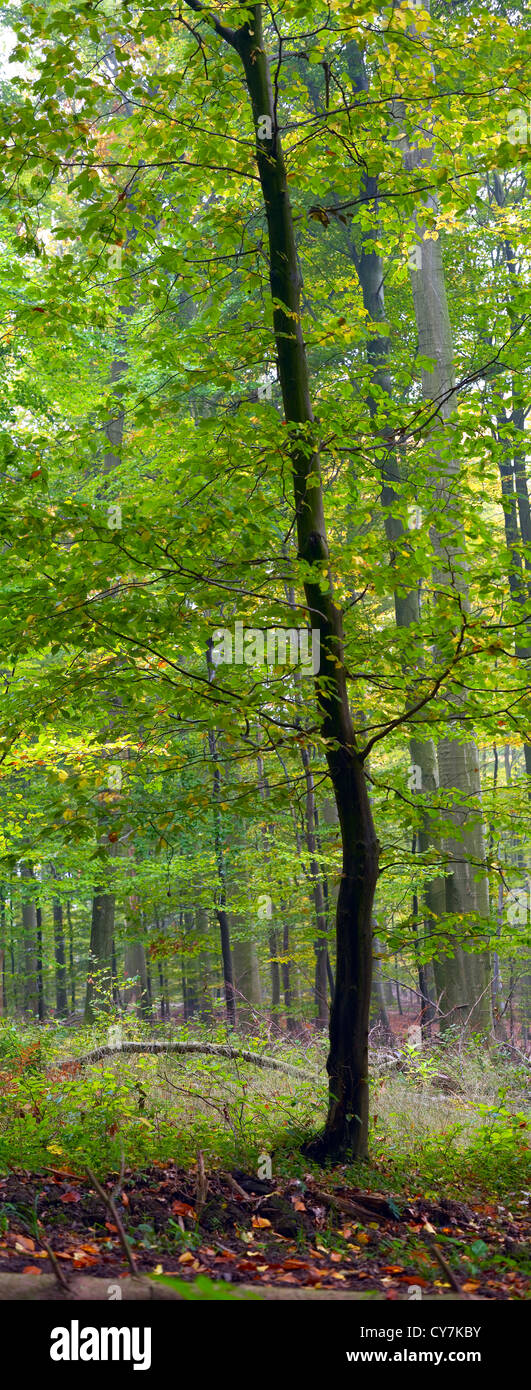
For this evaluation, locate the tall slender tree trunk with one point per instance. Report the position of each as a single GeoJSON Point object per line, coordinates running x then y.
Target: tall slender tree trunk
{"type": "Point", "coordinates": [206, 1011]}
{"type": "Point", "coordinates": [61, 999]}
{"type": "Point", "coordinates": [369, 265]}
{"type": "Point", "coordinates": [71, 956]}
{"type": "Point", "coordinates": [321, 944]}
{"type": "Point", "coordinates": [514, 484]}
{"type": "Point", "coordinates": [3, 988]}
{"type": "Point", "coordinates": [381, 1016]}
{"type": "Point", "coordinates": [221, 909]}
{"type": "Point", "coordinates": [465, 995]}
{"type": "Point", "coordinates": [346, 1129]}
{"type": "Point", "coordinates": [29, 945]}
{"type": "Point", "coordinates": [100, 977]}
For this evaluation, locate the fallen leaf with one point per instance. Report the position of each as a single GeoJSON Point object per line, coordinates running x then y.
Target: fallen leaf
{"type": "Point", "coordinates": [260, 1222]}
{"type": "Point", "coordinates": [31, 1269]}
{"type": "Point", "coordinates": [24, 1243]}
{"type": "Point", "coordinates": [182, 1209]}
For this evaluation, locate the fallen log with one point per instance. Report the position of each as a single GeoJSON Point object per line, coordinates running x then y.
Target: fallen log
{"type": "Point", "coordinates": [242, 1054]}
{"type": "Point", "coordinates": [377, 1208]}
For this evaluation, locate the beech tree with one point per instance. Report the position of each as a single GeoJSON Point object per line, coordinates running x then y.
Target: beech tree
{"type": "Point", "coordinates": [217, 325]}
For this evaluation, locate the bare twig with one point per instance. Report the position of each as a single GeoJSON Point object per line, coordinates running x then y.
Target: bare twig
{"type": "Point", "coordinates": [108, 1200]}
{"type": "Point", "coordinates": [235, 1186]}
{"type": "Point", "coordinates": [61, 1278]}
{"type": "Point", "coordinates": [118, 1188]}
{"type": "Point", "coordinates": [448, 1273]}
{"type": "Point", "coordinates": [202, 1185]}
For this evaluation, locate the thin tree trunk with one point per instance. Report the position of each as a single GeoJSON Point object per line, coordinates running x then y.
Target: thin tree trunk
{"type": "Point", "coordinates": [71, 957]}
{"type": "Point", "coordinates": [346, 1127]}
{"type": "Point", "coordinates": [221, 910]}
{"type": "Point", "coordinates": [100, 977]}
{"type": "Point", "coordinates": [465, 997]}
{"type": "Point", "coordinates": [3, 989]}
{"type": "Point", "coordinates": [381, 1014]}
{"type": "Point", "coordinates": [61, 999]}
{"type": "Point", "coordinates": [30, 947]}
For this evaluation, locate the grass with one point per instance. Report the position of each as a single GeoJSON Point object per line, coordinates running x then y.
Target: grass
{"type": "Point", "coordinates": [468, 1144]}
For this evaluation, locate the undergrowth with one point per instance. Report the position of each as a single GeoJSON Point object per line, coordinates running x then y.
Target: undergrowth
{"type": "Point", "coordinates": [137, 1110]}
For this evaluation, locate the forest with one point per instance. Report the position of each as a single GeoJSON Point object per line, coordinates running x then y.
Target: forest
{"type": "Point", "coordinates": [265, 652]}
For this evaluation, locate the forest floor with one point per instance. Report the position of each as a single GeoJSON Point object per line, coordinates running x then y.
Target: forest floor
{"type": "Point", "coordinates": [177, 1143]}
{"type": "Point", "coordinates": [266, 1233]}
